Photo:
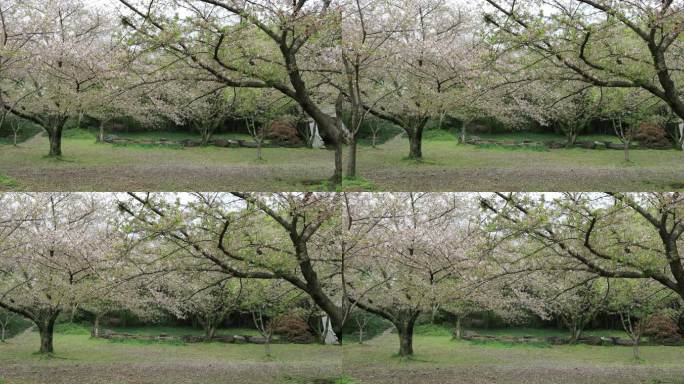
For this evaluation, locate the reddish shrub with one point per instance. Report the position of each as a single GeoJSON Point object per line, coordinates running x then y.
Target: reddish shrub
{"type": "Point", "coordinates": [292, 328]}
{"type": "Point", "coordinates": [283, 131]}
{"type": "Point", "coordinates": [661, 328]}
{"type": "Point", "coordinates": [652, 135]}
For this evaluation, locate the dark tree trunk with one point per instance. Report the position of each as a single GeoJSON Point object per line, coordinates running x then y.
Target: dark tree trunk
{"type": "Point", "coordinates": [55, 137]}
{"type": "Point", "coordinates": [415, 135]}
{"type": "Point", "coordinates": [46, 328]}
{"type": "Point", "coordinates": [405, 329]}
{"type": "Point", "coordinates": [416, 145]}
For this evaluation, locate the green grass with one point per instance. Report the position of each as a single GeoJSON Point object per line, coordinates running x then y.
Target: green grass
{"type": "Point", "coordinates": [8, 182]}
{"type": "Point", "coordinates": [447, 166]}
{"type": "Point", "coordinates": [353, 184]}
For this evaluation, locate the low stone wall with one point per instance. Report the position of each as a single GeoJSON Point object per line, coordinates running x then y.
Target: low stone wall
{"type": "Point", "coordinates": [190, 339]}
{"type": "Point", "coordinates": [474, 140]}
{"type": "Point", "coordinates": [188, 143]}
{"type": "Point", "coordinates": [557, 340]}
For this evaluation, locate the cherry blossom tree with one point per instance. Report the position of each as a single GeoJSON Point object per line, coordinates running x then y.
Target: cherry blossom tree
{"type": "Point", "coordinates": [249, 236]}
{"type": "Point", "coordinates": [427, 63]}
{"type": "Point", "coordinates": [53, 257]}
{"type": "Point", "coordinates": [67, 58]}
{"type": "Point", "coordinates": [260, 44]}
{"type": "Point", "coordinates": [627, 44]}
{"type": "Point", "coordinates": [613, 235]}
{"type": "Point", "coordinates": [406, 253]}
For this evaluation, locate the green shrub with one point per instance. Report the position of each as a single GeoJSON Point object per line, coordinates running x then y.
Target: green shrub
{"type": "Point", "coordinates": [507, 345]}
{"type": "Point", "coordinates": [78, 134]}
{"type": "Point", "coordinates": [72, 329]}
{"type": "Point", "coordinates": [375, 326]}
{"type": "Point", "coordinates": [433, 330]}
{"type": "Point", "coordinates": [174, 342]}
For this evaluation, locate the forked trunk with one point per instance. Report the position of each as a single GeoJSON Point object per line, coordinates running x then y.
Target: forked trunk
{"type": "Point", "coordinates": [209, 330]}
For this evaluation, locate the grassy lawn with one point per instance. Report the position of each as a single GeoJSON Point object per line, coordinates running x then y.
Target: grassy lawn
{"type": "Point", "coordinates": [438, 359]}
{"type": "Point", "coordinates": [87, 166]}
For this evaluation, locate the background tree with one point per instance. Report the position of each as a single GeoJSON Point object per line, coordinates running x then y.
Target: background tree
{"type": "Point", "coordinates": [65, 61]}
{"type": "Point", "coordinates": [616, 235]}
{"type": "Point", "coordinates": [56, 252]}
{"type": "Point", "coordinates": [416, 247]}
{"type": "Point", "coordinates": [600, 42]}
{"type": "Point", "coordinates": [250, 236]}
{"type": "Point", "coordinates": [273, 40]}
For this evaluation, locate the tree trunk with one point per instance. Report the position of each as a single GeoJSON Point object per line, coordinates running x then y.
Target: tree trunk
{"type": "Point", "coordinates": [406, 338]}
{"type": "Point", "coordinates": [416, 144]}
{"type": "Point", "coordinates": [635, 349]}
{"type": "Point", "coordinates": [463, 132]}
{"type": "Point", "coordinates": [46, 330]}
{"type": "Point", "coordinates": [360, 335]}
{"type": "Point", "coordinates": [415, 134]}
{"type": "Point", "coordinates": [259, 156]}
{"type": "Point", "coordinates": [336, 178]}
{"type": "Point", "coordinates": [3, 332]}
{"type": "Point", "coordinates": [100, 135]}
{"type": "Point", "coordinates": [626, 144]}
{"type": "Point", "coordinates": [459, 329]}
{"type": "Point", "coordinates": [209, 331]}
{"type": "Point", "coordinates": [96, 327]}
{"type": "Point", "coordinates": [267, 344]}
{"type": "Point", "coordinates": [55, 136]}
{"type": "Point", "coordinates": [14, 138]}
{"type": "Point", "coordinates": [351, 162]}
